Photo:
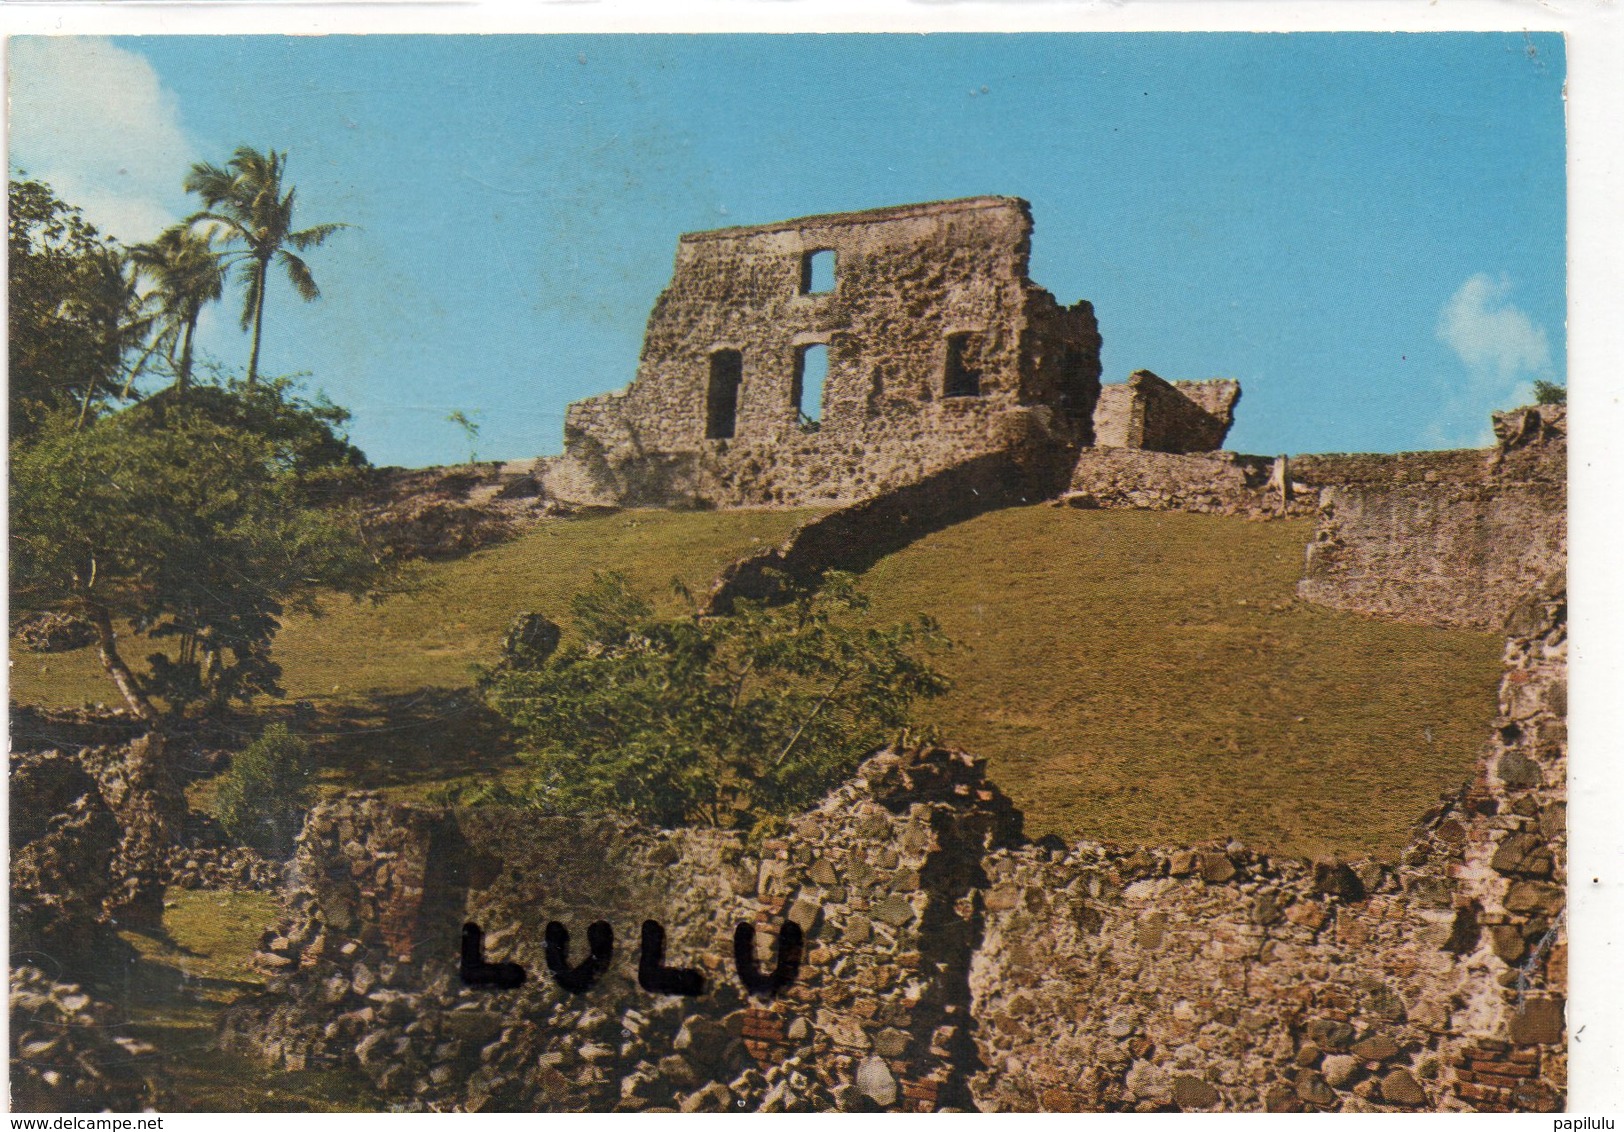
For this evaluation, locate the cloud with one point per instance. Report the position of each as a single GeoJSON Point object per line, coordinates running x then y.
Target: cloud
{"type": "Point", "coordinates": [1502, 349]}
{"type": "Point", "coordinates": [1490, 335]}
{"type": "Point", "coordinates": [94, 121]}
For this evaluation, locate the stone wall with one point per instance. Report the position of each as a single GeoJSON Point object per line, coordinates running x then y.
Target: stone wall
{"type": "Point", "coordinates": [948, 963]}
{"type": "Point", "coordinates": [1148, 412]}
{"type": "Point", "coordinates": [856, 536]}
{"type": "Point", "coordinates": [940, 349]}
{"type": "Point", "coordinates": [1461, 544]}
{"type": "Point", "coordinates": [1217, 978]}
{"type": "Point", "coordinates": [1223, 483]}
{"type": "Point", "coordinates": [879, 878]}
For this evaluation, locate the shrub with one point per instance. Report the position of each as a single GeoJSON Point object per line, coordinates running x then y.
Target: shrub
{"type": "Point", "coordinates": [263, 797]}
{"type": "Point", "coordinates": [1550, 393]}
{"type": "Point", "coordinates": [718, 721]}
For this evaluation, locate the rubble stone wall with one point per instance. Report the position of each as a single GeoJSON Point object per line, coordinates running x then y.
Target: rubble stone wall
{"type": "Point", "coordinates": [1216, 978]}
{"type": "Point", "coordinates": [879, 878]}
{"type": "Point", "coordinates": [856, 536]}
{"type": "Point", "coordinates": [921, 293]}
{"type": "Point", "coordinates": [1148, 412]}
{"type": "Point", "coordinates": [948, 963]}
{"type": "Point", "coordinates": [1223, 483]}
{"type": "Point", "coordinates": [1452, 549]}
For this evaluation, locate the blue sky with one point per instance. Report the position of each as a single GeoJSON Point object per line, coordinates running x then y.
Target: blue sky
{"type": "Point", "coordinates": [1366, 229]}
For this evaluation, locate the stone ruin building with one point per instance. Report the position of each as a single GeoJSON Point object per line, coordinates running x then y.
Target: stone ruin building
{"type": "Point", "coordinates": [938, 351]}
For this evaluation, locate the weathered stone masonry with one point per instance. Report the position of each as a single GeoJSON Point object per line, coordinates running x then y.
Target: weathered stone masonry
{"type": "Point", "coordinates": [940, 351]}
{"type": "Point", "coordinates": [950, 964]}
{"type": "Point", "coordinates": [1451, 538]}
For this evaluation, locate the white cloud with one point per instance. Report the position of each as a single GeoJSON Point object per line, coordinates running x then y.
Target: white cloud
{"type": "Point", "coordinates": [94, 121]}
{"type": "Point", "coordinates": [1502, 349]}
{"type": "Point", "coordinates": [1493, 337]}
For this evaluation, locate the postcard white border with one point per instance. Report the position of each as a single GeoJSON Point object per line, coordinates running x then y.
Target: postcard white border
{"type": "Point", "coordinates": [1594, 31]}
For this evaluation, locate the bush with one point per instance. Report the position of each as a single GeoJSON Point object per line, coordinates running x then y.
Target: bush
{"type": "Point", "coordinates": [1550, 393]}
{"type": "Point", "coordinates": [719, 721]}
{"type": "Point", "coordinates": [263, 797]}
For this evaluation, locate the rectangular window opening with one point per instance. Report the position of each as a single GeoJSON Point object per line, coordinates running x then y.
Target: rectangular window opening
{"type": "Point", "coordinates": [818, 272]}
{"type": "Point", "coordinates": [962, 378]}
{"type": "Point", "coordinates": [811, 375]}
{"type": "Point", "coordinates": [722, 400]}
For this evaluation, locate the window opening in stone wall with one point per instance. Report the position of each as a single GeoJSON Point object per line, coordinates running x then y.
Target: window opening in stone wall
{"type": "Point", "coordinates": [722, 402]}
{"type": "Point", "coordinates": [962, 379]}
{"type": "Point", "coordinates": [1074, 391]}
{"type": "Point", "coordinates": [811, 374]}
{"type": "Point", "coordinates": [818, 272]}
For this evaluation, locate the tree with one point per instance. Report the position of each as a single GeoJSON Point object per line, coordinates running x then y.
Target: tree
{"type": "Point", "coordinates": [713, 720]}
{"type": "Point", "coordinates": [75, 313]}
{"type": "Point", "coordinates": [1550, 393]}
{"type": "Point", "coordinates": [246, 200]}
{"type": "Point", "coordinates": [201, 515]}
{"type": "Point", "coordinates": [187, 273]}
{"type": "Point", "coordinates": [470, 429]}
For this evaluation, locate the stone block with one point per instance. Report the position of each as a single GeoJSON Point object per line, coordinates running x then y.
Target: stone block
{"type": "Point", "coordinates": [1401, 1088]}
{"type": "Point", "coordinates": [1194, 1093]}
{"type": "Point", "coordinates": [1539, 1022]}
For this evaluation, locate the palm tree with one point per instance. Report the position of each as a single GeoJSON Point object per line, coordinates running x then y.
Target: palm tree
{"type": "Point", "coordinates": [112, 303]}
{"type": "Point", "coordinates": [246, 200]}
{"type": "Point", "coordinates": [188, 272]}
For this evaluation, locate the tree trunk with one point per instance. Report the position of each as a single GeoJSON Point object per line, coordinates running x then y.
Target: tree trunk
{"type": "Point", "coordinates": [184, 377]}
{"type": "Point", "coordinates": [259, 320]}
{"type": "Point", "coordinates": [107, 649]}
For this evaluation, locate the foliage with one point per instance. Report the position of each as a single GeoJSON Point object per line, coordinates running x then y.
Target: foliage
{"type": "Point", "coordinates": [1550, 393]}
{"type": "Point", "coordinates": [713, 720]}
{"type": "Point", "coordinates": [470, 429]}
{"type": "Point", "coordinates": [202, 514]}
{"type": "Point", "coordinates": [187, 272]}
{"type": "Point", "coordinates": [262, 798]}
{"type": "Point", "coordinates": [74, 311]}
{"type": "Point", "coordinates": [246, 201]}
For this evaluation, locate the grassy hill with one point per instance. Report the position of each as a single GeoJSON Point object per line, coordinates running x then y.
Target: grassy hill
{"type": "Point", "coordinates": [455, 612]}
{"type": "Point", "coordinates": [1131, 676]}
{"type": "Point", "coordinates": [1149, 677]}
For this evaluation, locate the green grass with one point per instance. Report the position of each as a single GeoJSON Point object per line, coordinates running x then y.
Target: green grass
{"type": "Point", "coordinates": [458, 610]}
{"type": "Point", "coordinates": [1149, 677]}
{"type": "Point", "coordinates": [174, 985]}
{"type": "Point", "coordinates": [1131, 676]}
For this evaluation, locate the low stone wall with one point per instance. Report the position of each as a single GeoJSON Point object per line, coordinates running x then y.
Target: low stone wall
{"type": "Point", "coordinates": [1392, 469]}
{"type": "Point", "coordinates": [67, 1054]}
{"type": "Point", "coordinates": [1222, 483]}
{"type": "Point", "coordinates": [949, 964]}
{"type": "Point", "coordinates": [1461, 544]}
{"type": "Point", "coordinates": [855, 537]}
{"type": "Point", "coordinates": [228, 869]}
{"type": "Point", "coordinates": [879, 879]}
{"type": "Point", "coordinates": [1112, 978]}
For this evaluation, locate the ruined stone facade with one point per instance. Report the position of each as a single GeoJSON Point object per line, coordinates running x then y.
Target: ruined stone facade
{"type": "Point", "coordinates": [939, 351]}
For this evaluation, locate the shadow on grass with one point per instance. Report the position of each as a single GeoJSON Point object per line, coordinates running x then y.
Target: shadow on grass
{"type": "Point", "coordinates": [412, 740]}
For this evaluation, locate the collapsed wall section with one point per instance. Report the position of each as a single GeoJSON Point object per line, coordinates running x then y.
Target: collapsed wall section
{"type": "Point", "coordinates": [364, 973]}
{"type": "Point", "coordinates": [1149, 413]}
{"type": "Point", "coordinates": [1114, 978]}
{"type": "Point", "coordinates": [937, 349]}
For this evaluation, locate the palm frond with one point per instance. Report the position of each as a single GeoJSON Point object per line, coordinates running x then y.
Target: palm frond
{"type": "Point", "coordinates": [314, 236]}
{"type": "Point", "coordinates": [299, 275]}
{"type": "Point", "coordinates": [255, 280]}
{"type": "Point", "coordinates": [214, 184]}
